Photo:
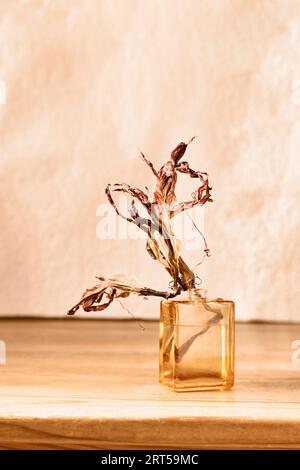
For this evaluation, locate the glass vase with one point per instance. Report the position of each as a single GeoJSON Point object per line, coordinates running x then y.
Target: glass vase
{"type": "Point", "coordinates": [196, 343]}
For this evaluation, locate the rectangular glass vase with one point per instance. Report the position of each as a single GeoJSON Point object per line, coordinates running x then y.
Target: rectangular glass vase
{"type": "Point", "coordinates": [196, 343]}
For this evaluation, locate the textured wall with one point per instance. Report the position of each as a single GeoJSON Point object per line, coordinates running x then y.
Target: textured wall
{"type": "Point", "coordinates": [89, 81]}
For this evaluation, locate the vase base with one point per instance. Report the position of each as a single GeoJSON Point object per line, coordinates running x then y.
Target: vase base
{"type": "Point", "coordinates": [191, 386]}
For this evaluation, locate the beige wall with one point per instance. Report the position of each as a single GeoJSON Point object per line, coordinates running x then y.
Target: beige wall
{"type": "Point", "coordinates": [89, 81]}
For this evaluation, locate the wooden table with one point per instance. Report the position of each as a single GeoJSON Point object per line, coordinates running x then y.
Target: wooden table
{"type": "Point", "coordinates": [90, 384]}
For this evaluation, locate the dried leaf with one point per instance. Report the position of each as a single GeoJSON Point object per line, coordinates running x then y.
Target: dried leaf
{"type": "Point", "coordinates": [111, 288]}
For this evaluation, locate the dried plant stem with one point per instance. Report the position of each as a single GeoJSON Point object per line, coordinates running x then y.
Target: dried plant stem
{"type": "Point", "coordinates": [140, 325]}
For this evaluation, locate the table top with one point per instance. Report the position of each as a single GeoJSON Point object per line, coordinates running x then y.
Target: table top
{"type": "Point", "coordinates": [93, 384]}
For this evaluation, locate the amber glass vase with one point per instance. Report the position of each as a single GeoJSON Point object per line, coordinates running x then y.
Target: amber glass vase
{"type": "Point", "coordinates": [196, 342]}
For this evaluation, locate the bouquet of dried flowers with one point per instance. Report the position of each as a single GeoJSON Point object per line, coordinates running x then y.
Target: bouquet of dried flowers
{"type": "Point", "coordinates": [161, 244]}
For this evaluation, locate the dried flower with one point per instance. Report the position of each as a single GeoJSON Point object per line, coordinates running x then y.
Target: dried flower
{"type": "Point", "coordinates": [161, 244]}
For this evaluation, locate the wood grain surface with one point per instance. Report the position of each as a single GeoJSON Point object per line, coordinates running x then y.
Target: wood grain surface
{"type": "Point", "coordinates": [94, 385]}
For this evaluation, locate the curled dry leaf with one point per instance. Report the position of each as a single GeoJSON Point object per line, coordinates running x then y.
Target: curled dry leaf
{"type": "Point", "coordinates": [161, 244]}
{"type": "Point", "coordinates": [100, 296]}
